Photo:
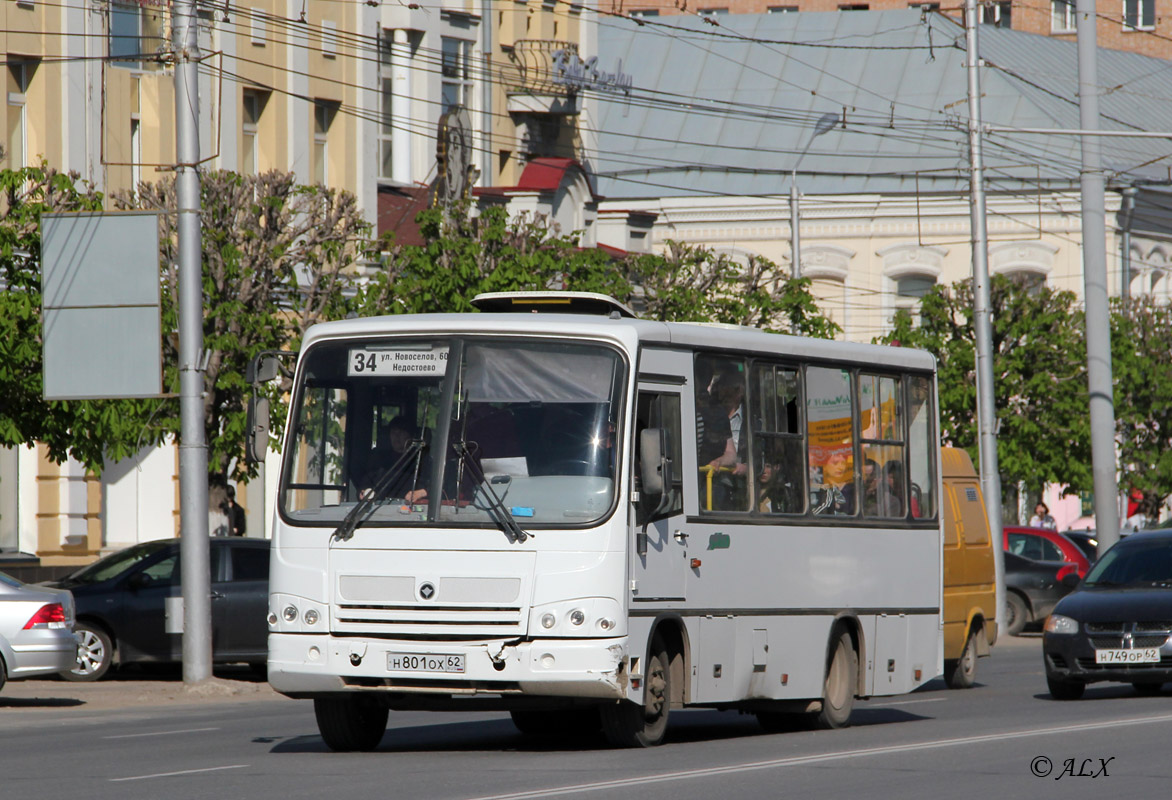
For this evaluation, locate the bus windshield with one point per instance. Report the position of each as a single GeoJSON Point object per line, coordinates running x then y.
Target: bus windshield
{"type": "Point", "coordinates": [431, 428]}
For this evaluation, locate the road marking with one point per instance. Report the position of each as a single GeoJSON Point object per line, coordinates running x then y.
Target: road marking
{"type": "Point", "coordinates": [173, 774]}
{"type": "Point", "coordinates": [160, 733]}
{"type": "Point", "coordinates": [814, 759]}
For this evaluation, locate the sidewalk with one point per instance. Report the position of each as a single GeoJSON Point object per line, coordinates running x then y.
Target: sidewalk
{"type": "Point", "coordinates": [135, 688]}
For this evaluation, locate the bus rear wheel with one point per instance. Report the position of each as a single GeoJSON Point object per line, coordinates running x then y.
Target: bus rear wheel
{"type": "Point", "coordinates": [838, 690]}
{"type": "Point", "coordinates": [350, 724]}
{"type": "Point", "coordinates": [627, 724]}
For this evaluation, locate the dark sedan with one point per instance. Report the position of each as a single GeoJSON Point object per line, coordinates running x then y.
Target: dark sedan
{"type": "Point", "coordinates": [1117, 625]}
{"type": "Point", "coordinates": [1031, 590]}
{"type": "Point", "coordinates": [122, 600]}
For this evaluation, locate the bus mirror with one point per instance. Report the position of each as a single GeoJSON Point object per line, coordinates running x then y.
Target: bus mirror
{"type": "Point", "coordinates": [261, 369]}
{"type": "Point", "coordinates": [256, 442]}
{"type": "Point", "coordinates": [652, 452]}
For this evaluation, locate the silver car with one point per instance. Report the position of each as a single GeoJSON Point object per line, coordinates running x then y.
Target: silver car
{"type": "Point", "coordinates": [36, 630]}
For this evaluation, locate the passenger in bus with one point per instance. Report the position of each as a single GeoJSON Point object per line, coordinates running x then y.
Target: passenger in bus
{"type": "Point", "coordinates": [871, 473]}
{"type": "Point", "coordinates": [892, 490]}
{"type": "Point", "coordinates": [393, 440]}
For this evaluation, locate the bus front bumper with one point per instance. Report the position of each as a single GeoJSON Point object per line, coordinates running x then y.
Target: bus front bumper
{"type": "Point", "coordinates": [307, 665]}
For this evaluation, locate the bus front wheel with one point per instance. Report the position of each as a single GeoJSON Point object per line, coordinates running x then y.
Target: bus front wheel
{"type": "Point", "coordinates": [350, 723]}
{"type": "Point", "coordinates": [838, 691]}
{"type": "Point", "coordinates": [627, 724]}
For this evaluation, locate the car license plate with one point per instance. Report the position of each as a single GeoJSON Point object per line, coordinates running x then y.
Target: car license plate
{"type": "Point", "coordinates": [425, 662]}
{"type": "Point", "coordinates": [1139, 655]}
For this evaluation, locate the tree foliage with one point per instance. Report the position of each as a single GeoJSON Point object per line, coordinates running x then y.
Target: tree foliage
{"type": "Point", "coordinates": [695, 283]}
{"type": "Point", "coordinates": [1039, 377]}
{"type": "Point", "coordinates": [465, 256]}
{"type": "Point", "coordinates": [277, 258]}
{"type": "Point", "coordinates": [1141, 367]}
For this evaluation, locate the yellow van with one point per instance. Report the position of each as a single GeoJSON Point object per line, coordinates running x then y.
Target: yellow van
{"type": "Point", "coordinates": [970, 625]}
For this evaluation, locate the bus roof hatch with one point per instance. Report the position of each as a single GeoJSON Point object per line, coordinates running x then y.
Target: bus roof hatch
{"type": "Point", "coordinates": [551, 303]}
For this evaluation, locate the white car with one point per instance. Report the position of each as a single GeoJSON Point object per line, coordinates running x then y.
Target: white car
{"type": "Point", "coordinates": [36, 630]}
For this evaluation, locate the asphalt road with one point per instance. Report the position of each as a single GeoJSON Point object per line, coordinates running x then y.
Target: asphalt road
{"type": "Point", "coordinates": [1005, 738]}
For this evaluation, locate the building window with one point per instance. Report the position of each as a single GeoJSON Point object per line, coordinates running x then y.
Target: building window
{"type": "Point", "coordinates": [136, 34]}
{"type": "Point", "coordinates": [258, 30]}
{"type": "Point", "coordinates": [924, 6]}
{"type": "Point", "coordinates": [1139, 15]}
{"type": "Point", "coordinates": [253, 107]}
{"type": "Point", "coordinates": [329, 39]}
{"type": "Point", "coordinates": [645, 12]}
{"type": "Point", "coordinates": [324, 112]}
{"type": "Point", "coordinates": [781, 9]}
{"type": "Point", "coordinates": [854, 7]}
{"type": "Point", "coordinates": [457, 83]}
{"type": "Point", "coordinates": [386, 106]}
{"type": "Point", "coordinates": [997, 14]}
{"type": "Point", "coordinates": [20, 73]}
{"type": "Point", "coordinates": [1061, 16]}
{"type": "Point", "coordinates": [713, 12]}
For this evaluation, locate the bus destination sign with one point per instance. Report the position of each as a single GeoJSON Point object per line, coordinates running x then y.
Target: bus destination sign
{"type": "Point", "coordinates": [378, 363]}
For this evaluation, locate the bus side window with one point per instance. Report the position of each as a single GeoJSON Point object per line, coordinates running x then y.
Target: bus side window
{"type": "Point", "coordinates": [661, 410]}
{"type": "Point", "coordinates": [830, 437]}
{"type": "Point", "coordinates": [722, 434]}
{"type": "Point", "coordinates": [779, 463]}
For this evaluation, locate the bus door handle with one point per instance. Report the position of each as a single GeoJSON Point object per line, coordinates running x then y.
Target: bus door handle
{"type": "Point", "coordinates": [681, 537]}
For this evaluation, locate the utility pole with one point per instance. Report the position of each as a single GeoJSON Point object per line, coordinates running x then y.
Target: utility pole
{"type": "Point", "coordinates": [193, 455]}
{"type": "Point", "coordinates": [986, 410]}
{"type": "Point", "coordinates": [1094, 259]}
{"type": "Point", "coordinates": [795, 226]}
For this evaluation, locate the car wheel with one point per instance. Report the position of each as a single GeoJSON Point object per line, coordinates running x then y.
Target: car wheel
{"type": "Point", "coordinates": [95, 653]}
{"type": "Point", "coordinates": [962, 673]}
{"type": "Point", "coordinates": [1065, 690]}
{"type": "Point", "coordinates": [3, 673]}
{"type": "Point", "coordinates": [1017, 612]}
{"type": "Point", "coordinates": [1147, 688]}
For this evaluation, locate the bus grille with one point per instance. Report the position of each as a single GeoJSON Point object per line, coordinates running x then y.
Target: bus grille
{"type": "Point", "coordinates": [431, 622]}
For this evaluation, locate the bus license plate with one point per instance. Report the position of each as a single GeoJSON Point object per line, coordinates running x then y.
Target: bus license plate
{"type": "Point", "coordinates": [425, 662]}
{"type": "Point", "coordinates": [1139, 655]}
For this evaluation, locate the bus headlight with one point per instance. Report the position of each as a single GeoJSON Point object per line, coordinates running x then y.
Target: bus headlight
{"type": "Point", "coordinates": [548, 621]}
{"type": "Point", "coordinates": [577, 617]}
{"type": "Point", "coordinates": [311, 616]}
{"type": "Point", "coordinates": [606, 624]}
{"type": "Point", "coordinates": [290, 613]}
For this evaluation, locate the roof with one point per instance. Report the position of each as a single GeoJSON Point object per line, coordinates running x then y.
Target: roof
{"type": "Point", "coordinates": [712, 113]}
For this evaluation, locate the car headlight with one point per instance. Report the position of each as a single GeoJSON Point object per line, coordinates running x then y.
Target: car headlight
{"type": "Point", "coordinates": [1057, 623]}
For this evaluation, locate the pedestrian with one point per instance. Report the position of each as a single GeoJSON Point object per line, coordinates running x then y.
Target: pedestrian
{"type": "Point", "coordinates": [1042, 518]}
{"type": "Point", "coordinates": [237, 522]}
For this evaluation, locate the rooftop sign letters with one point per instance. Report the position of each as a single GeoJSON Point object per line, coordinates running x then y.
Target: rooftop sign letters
{"type": "Point", "coordinates": [570, 70]}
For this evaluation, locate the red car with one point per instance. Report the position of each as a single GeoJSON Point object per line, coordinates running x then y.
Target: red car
{"type": "Point", "coordinates": [1042, 544]}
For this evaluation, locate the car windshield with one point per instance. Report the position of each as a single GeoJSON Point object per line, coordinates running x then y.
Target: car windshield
{"type": "Point", "coordinates": [1134, 563]}
{"type": "Point", "coordinates": [432, 429]}
{"type": "Point", "coordinates": [114, 564]}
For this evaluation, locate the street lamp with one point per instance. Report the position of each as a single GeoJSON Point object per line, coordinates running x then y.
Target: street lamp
{"type": "Point", "coordinates": [825, 123]}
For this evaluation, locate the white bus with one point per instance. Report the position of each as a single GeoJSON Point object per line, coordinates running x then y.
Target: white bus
{"type": "Point", "coordinates": [586, 519]}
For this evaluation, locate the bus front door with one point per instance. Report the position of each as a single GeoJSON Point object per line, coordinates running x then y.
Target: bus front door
{"type": "Point", "coordinates": [659, 531]}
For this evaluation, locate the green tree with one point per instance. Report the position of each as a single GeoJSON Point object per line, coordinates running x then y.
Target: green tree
{"type": "Point", "coordinates": [1141, 367]}
{"type": "Point", "coordinates": [1039, 377]}
{"type": "Point", "coordinates": [691, 283]}
{"type": "Point", "coordinates": [465, 256]}
{"type": "Point", "coordinates": [277, 258]}
{"type": "Point", "coordinates": [87, 430]}
{"type": "Point", "coordinates": [491, 253]}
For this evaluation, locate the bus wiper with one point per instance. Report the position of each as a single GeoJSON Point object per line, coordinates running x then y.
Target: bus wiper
{"type": "Point", "coordinates": [365, 505]}
{"type": "Point", "coordinates": [496, 506]}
